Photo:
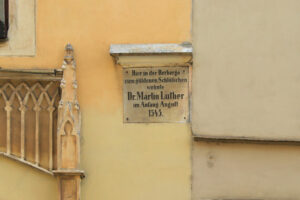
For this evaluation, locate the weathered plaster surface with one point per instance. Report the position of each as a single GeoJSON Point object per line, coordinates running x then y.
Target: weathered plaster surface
{"type": "Point", "coordinates": [246, 69]}
{"type": "Point", "coordinates": [246, 86]}
{"type": "Point", "coordinates": [245, 171]}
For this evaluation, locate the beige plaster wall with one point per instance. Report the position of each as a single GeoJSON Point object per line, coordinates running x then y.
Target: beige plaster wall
{"type": "Point", "coordinates": [246, 69]}
{"type": "Point", "coordinates": [122, 161]}
{"type": "Point", "coordinates": [245, 172]}
{"type": "Point", "coordinates": [246, 85]}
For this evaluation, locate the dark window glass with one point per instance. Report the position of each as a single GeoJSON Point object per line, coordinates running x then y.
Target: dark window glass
{"type": "Point", "coordinates": [3, 19]}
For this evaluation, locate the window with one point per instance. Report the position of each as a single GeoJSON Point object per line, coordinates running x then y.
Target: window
{"type": "Point", "coordinates": [3, 19]}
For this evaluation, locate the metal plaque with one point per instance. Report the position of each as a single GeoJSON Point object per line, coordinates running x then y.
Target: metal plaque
{"type": "Point", "coordinates": [156, 94]}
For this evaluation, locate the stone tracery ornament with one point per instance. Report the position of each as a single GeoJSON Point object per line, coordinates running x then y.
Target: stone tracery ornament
{"type": "Point", "coordinates": [41, 121]}
{"type": "Point", "coordinates": [68, 141]}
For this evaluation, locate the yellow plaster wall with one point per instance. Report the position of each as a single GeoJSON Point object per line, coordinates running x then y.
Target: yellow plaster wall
{"type": "Point", "coordinates": [122, 161]}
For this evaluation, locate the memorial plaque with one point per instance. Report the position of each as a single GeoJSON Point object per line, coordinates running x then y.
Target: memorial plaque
{"type": "Point", "coordinates": [156, 94]}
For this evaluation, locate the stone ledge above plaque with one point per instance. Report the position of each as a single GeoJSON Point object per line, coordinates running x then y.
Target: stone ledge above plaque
{"type": "Point", "coordinates": [156, 81]}
{"type": "Point", "coordinates": [149, 55]}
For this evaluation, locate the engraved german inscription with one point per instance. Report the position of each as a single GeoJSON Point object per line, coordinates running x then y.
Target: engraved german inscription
{"type": "Point", "coordinates": [154, 94]}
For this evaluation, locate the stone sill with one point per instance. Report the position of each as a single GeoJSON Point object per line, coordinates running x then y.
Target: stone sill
{"type": "Point", "coordinates": [145, 55]}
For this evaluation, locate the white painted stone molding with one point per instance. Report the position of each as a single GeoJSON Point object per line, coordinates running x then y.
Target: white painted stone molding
{"type": "Point", "coordinates": [158, 55]}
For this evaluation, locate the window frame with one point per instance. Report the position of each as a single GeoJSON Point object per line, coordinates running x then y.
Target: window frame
{"type": "Point", "coordinates": [22, 29]}
{"type": "Point", "coordinates": [6, 20]}
{"type": "Point", "coordinates": [6, 7]}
